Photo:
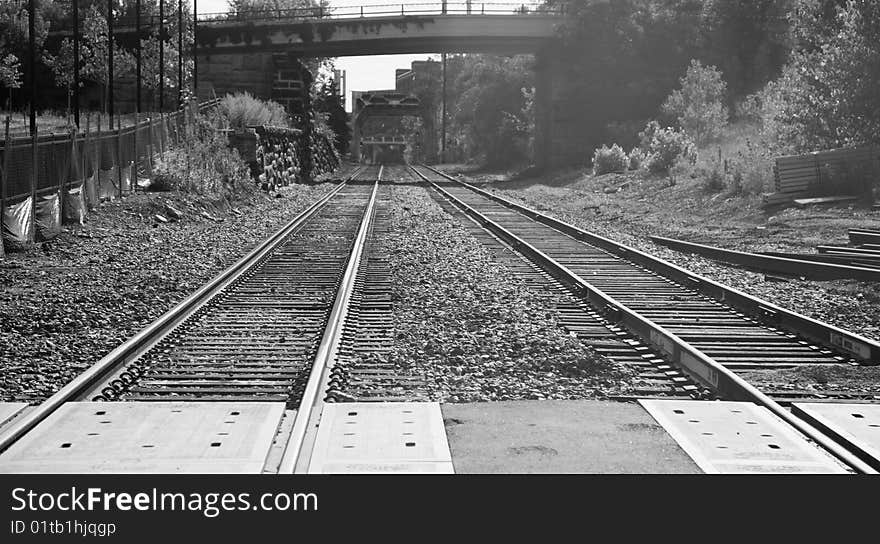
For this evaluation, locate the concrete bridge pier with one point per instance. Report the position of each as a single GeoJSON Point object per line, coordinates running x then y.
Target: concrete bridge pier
{"type": "Point", "coordinates": [543, 109]}
{"type": "Point", "coordinates": [558, 140]}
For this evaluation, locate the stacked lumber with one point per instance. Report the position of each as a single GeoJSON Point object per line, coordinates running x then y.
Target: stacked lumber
{"type": "Point", "coordinates": [851, 171]}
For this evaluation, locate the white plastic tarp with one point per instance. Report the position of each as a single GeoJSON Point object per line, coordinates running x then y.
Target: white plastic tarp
{"type": "Point", "coordinates": [18, 225]}
{"type": "Point", "coordinates": [48, 217]}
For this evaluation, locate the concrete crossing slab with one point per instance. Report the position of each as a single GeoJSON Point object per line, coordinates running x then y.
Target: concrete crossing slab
{"type": "Point", "coordinates": [8, 410]}
{"type": "Point", "coordinates": [148, 437]}
{"type": "Point", "coordinates": [856, 424]}
{"type": "Point", "coordinates": [725, 437]}
{"type": "Point", "coordinates": [371, 437]}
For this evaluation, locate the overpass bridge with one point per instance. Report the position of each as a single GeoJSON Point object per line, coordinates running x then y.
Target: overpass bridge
{"type": "Point", "coordinates": [440, 27]}
{"type": "Point", "coordinates": [260, 51]}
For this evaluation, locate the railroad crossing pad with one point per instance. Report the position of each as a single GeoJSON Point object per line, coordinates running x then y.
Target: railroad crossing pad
{"type": "Point", "coordinates": [9, 410]}
{"type": "Point", "coordinates": [373, 437]}
{"type": "Point", "coordinates": [560, 436]}
{"type": "Point", "coordinates": [856, 424]}
{"type": "Point", "coordinates": [148, 437]}
{"type": "Point", "coordinates": [725, 437]}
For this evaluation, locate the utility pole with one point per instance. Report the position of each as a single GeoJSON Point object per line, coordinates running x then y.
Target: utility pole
{"type": "Point", "coordinates": [161, 55]}
{"type": "Point", "coordinates": [32, 64]}
{"type": "Point", "coordinates": [137, 31]}
{"type": "Point", "coordinates": [76, 62]}
{"type": "Point", "coordinates": [110, 60]}
{"type": "Point", "coordinates": [179, 53]}
{"type": "Point", "coordinates": [443, 112]}
{"type": "Point", "coordinates": [195, 57]}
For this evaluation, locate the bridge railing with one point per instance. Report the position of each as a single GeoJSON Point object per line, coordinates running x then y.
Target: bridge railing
{"type": "Point", "coordinates": [385, 10]}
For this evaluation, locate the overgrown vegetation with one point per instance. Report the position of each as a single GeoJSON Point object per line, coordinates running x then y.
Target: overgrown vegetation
{"type": "Point", "coordinates": [205, 165]}
{"type": "Point", "coordinates": [609, 159]}
{"type": "Point", "coordinates": [698, 105]}
{"type": "Point", "coordinates": [799, 75]}
{"type": "Point", "coordinates": [242, 110]}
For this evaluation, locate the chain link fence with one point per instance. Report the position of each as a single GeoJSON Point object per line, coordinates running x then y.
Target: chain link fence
{"type": "Point", "coordinates": [53, 178]}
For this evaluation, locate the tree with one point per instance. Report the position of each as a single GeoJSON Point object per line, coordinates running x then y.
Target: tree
{"type": "Point", "coordinates": [827, 95]}
{"type": "Point", "coordinates": [699, 104]}
{"type": "Point", "coordinates": [329, 102]}
{"type": "Point", "coordinates": [490, 108]}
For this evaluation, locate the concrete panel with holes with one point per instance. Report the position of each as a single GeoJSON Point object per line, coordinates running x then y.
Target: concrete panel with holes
{"type": "Point", "coordinates": [148, 437]}
{"type": "Point", "coordinates": [855, 425]}
{"type": "Point", "coordinates": [372, 437]}
{"type": "Point", "coordinates": [725, 437]}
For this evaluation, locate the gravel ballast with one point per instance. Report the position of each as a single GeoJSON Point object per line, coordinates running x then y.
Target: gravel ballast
{"type": "Point", "coordinates": [471, 327]}
{"type": "Point", "coordinates": [630, 218]}
{"type": "Point", "coordinates": [66, 304]}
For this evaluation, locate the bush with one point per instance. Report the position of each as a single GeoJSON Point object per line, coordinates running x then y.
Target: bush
{"type": "Point", "coordinates": [699, 104]}
{"type": "Point", "coordinates": [637, 158]}
{"type": "Point", "coordinates": [665, 147]}
{"type": "Point", "coordinates": [611, 159]}
{"type": "Point", "coordinates": [713, 177]}
{"type": "Point", "coordinates": [750, 175]}
{"type": "Point", "coordinates": [205, 165]}
{"type": "Point", "coordinates": [242, 110]}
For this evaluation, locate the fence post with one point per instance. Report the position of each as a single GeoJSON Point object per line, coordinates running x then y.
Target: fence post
{"type": "Point", "coordinates": [119, 153]}
{"type": "Point", "coordinates": [63, 182]}
{"type": "Point", "coordinates": [34, 185]}
{"type": "Point", "coordinates": [84, 155]}
{"type": "Point", "coordinates": [150, 143]}
{"type": "Point", "coordinates": [4, 181]}
{"type": "Point", "coordinates": [99, 150]}
{"type": "Point", "coordinates": [134, 145]}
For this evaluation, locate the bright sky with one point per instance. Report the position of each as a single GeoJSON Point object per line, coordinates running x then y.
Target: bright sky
{"type": "Point", "coordinates": [362, 73]}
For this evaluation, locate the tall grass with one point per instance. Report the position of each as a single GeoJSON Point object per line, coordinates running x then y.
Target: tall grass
{"type": "Point", "coordinates": [738, 162]}
{"type": "Point", "coordinates": [242, 110]}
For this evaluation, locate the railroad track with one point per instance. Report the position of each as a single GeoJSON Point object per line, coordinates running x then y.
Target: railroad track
{"type": "Point", "coordinates": [306, 319]}
{"type": "Point", "coordinates": [671, 323]}
{"type": "Point", "coordinates": [269, 328]}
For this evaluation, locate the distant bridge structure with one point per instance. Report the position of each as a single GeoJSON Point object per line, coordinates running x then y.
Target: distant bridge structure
{"type": "Point", "coordinates": [450, 27]}
{"type": "Point", "coordinates": [259, 51]}
{"type": "Point", "coordinates": [371, 104]}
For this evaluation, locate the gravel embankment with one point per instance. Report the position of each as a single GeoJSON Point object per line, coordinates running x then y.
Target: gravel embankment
{"type": "Point", "coordinates": [477, 332]}
{"type": "Point", "coordinates": [847, 304]}
{"type": "Point", "coordinates": [65, 305]}
{"type": "Point", "coordinates": [851, 305]}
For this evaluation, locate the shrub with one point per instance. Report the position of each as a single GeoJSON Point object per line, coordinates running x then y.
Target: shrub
{"type": "Point", "coordinates": [713, 177]}
{"type": "Point", "coordinates": [750, 175]}
{"type": "Point", "coordinates": [637, 158]}
{"type": "Point", "coordinates": [646, 137]}
{"type": "Point", "coordinates": [611, 159]}
{"type": "Point", "coordinates": [242, 110]}
{"type": "Point", "coordinates": [699, 104]}
{"type": "Point", "coordinates": [666, 146]}
{"type": "Point", "coordinates": [205, 165]}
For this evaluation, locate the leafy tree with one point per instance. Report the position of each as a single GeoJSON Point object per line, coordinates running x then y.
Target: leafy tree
{"type": "Point", "coordinates": [827, 96]}
{"type": "Point", "coordinates": [699, 104]}
{"type": "Point", "coordinates": [490, 109]}
{"type": "Point", "coordinates": [329, 102]}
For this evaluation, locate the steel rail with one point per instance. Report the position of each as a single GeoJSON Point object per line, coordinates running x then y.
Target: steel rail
{"type": "Point", "coordinates": [95, 376]}
{"type": "Point", "coordinates": [682, 354]}
{"type": "Point", "coordinates": [769, 263]}
{"type": "Point", "coordinates": [857, 346]}
{"type": "Point", "coordinates": [296, 456]}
